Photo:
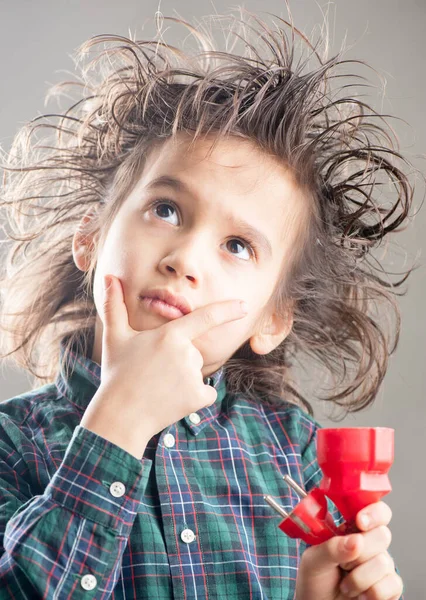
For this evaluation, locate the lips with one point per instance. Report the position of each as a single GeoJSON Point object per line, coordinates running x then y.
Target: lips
{"type": "Point", "coordinates": [167, 296]}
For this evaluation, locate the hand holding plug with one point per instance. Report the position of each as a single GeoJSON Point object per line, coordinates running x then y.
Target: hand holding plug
{"type": "Point", "coordinates": [352, 566]}
{"type": "Point", "coordinates": [355, 463]}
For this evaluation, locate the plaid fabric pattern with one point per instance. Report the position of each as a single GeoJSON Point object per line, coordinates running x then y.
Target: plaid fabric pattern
{"type": "Point", "coordinates": [81, 518]}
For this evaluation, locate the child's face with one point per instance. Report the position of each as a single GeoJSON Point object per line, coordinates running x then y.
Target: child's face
{"type": "Point", "coordinates": [189, 244]}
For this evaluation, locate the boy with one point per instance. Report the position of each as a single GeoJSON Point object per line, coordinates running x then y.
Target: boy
{"type": "Point", "coordinates": [139, 472]}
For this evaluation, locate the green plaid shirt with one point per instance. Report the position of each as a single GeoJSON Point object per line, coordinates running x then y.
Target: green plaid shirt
{"type": "Point", "coordinates": [81, 518]}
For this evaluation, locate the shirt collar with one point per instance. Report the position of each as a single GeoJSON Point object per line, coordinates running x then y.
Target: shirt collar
{"type": "Point", "coordinates": [79, 377]}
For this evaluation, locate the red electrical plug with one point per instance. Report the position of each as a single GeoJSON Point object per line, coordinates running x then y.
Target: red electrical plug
{"type": "Point", "coordinates": [355, 462]}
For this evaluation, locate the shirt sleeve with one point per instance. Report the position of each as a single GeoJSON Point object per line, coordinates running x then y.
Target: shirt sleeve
{"type": "Point", "coordinates": [312, 475]}
{"type": "Point", "coordinates": [69, 541]}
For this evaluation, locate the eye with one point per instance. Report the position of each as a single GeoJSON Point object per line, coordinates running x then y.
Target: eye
{"type": "Point", "coordinates": [244, 244]}
{"type": "Point", "coordinates": [164, 209]}
{"type": "Point", "coordinates": [162, 212]}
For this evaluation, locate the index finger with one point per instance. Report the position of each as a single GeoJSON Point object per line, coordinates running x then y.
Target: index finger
{"type": "Point", "coordinates": [204, 318]}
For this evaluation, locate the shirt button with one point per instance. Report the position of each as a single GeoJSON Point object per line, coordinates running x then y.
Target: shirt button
{"type": "Point", "coordinates": [187, 536]}
{"type": "Point", "coordinates": [117, 489]}
{"type": "Point", "coordinates": [194, 418]}
{"type": "Point", "coordinates": [88, 582]}
{"type": "Point", "coordinates": [169, 440]}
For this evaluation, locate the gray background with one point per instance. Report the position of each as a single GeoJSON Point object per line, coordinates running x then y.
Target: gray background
{"type": "Point", "coordinates": [36, 41]}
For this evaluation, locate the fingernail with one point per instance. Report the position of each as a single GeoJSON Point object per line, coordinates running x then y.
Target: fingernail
{"type": "Point", "coordinates": [365, 520]}
{"type": "Point", "coordinates": [107, 282]}
{"type": "Point", "coordinates": [350, 543]}
{"type": "Point", "coordinates": [244, 307]}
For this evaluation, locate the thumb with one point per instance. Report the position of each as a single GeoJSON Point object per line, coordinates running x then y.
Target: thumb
{"type": "Point", "coordinates": [114, 308]}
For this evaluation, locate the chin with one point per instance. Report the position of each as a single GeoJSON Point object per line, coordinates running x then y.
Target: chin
{"type": "Point", "coordinates": [146, 324]}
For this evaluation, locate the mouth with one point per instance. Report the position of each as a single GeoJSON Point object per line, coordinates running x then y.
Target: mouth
{"type": "Point", "coordinates": [161, 307]}
{"type": "Point", "coordinates": [168, 298]}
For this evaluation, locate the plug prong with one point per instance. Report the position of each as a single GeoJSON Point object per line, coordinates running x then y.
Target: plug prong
{"type": "Point", "coordinates": [295, 486]}
{"type": "Point", "coordinates": [276, 506]}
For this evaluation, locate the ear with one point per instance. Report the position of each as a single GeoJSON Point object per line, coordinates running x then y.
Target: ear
{"type": "Point", "coordinates": [271, 333]}
{"type": "Point", "coordinates": [82, 243]}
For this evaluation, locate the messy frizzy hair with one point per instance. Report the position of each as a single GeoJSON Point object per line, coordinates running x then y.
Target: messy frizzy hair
{"type": "Point", "coordinates": [136, 94]}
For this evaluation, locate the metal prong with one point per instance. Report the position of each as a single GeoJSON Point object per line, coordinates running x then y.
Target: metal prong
{"type": "Point", "coordinates": [276, 506]}
{"type": "Point", "coordinates": [283, 513]}
{"type": "Point", "coordinates": [295, 486]}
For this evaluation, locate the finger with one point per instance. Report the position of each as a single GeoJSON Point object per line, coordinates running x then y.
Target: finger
{"type": "Point", "coordinates": [204, 318]}
{"type": "Point", "coordinates": [114, 308]}
{"type": "Point", "coordinates": [368, 574]}
{"type": "Point", "coordinates": [210, 395]}
{"type": "Point", "coordinates": [374, 542]}
{"type": "Point", "coordinates": [389, 588]}
{"type": "Point", "coordinates": [375, 514]}
{"type": "Point", "coordinates": [332, 553]}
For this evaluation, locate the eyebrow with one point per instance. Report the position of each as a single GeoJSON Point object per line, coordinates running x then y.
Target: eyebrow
{"type": "Point", "coordinates": [180, 186]}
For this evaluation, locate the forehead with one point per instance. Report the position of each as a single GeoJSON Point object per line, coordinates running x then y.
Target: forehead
{"type": "Point", "coordinates": [236, 159]}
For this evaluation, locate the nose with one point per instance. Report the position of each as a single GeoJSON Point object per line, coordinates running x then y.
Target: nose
{"type": "Point", "coordinates": [184, 260]}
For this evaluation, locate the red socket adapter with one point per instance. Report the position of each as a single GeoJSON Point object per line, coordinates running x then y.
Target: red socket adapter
{"type": "Point", "coordinates": [355, 462]}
